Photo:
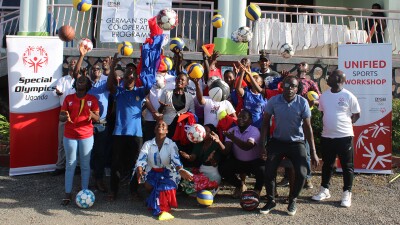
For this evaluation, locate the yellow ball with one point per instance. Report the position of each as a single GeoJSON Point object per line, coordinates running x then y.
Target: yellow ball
{"type": "Point", "coordinates": [176, 43]}
{"type": "Point", "coordinates": [222, 114]}
{"type": "Point", "coordinates": [82, 5]}
{"type": "Point", "coordinates": [195, 70]}
{"type": "Point", "coordinates": [168, 63]}
{"type": "Point", "coordinates": [253, 12]}
{"type": "Point", "coordinates": [252, 74]}
{"type": "Point", "coordinates": [312, 95]}
{"type": "Point", "coordinates": [205, 198]}
{"type": "Point", "coordinates": [218, 21]}
{"type": "Point", "coordinates": [125, 48]}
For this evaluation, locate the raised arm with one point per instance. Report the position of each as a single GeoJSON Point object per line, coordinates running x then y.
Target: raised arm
{"type": "Point", "coordinates": [199, 94]}
{"type": "Point", "coordinates": [238, 84]}
{"type": "Point", "coordinates": [82, 52]}
{"type": "Point", "coordinates": [112, 81]}
{"type": "Point", "coordinates": [178, 60]}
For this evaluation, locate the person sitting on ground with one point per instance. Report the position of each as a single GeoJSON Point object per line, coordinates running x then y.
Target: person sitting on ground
{"type": "Point", "coordinates": [78, 112]}
{"type": "Point", "coordinates": [243, 141]}
{"type": "Point", "coordinates": [159, 167]}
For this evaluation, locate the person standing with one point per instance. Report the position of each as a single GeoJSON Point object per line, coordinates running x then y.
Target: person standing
{"type": "Point", "coordinates": [340, 110]}
{"type": "Point", "coordinates": [292, 116]}
{"type": "Point", "coordinates": [63, 88]}
{"type": "Point", "coordinates": [375, 27]}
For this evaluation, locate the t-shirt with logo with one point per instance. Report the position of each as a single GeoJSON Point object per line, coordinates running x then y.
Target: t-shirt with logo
{"type": "Point", "coordinates": [212, 108]}
{"type": "Point", "coordinates": [254, 103]}
{"type": "Point", "coordinates": [79, 111]}
{"type": "Point", "coordinates": [128, 119]}
{"type": "Point", "coordinates": [338, 109]}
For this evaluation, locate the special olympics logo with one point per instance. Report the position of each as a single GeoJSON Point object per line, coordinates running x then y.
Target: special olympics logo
{"type": "Point", "coordinates": [35, 57]}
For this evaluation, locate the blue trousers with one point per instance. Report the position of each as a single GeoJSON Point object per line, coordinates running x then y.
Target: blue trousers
{"type": "Point", "coordinates": [73, 147]}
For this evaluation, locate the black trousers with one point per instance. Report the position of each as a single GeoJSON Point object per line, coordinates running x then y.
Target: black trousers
{"type": "Point", "coordinates": [343, 148]}
{"type": "Point", "coordinates": [296, 153]}
{"type": "Point", "coordinates": [125, 153]}
{"type": "Point", "coordinates": [232, 166]}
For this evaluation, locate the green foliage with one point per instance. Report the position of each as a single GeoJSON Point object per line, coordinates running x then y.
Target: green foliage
{"type": "Point", "coordinates": [396, 126]}
{"type": "Point", "coordinates": [316, 123]}
{"type": "Point", "coordinates": [4, 129]}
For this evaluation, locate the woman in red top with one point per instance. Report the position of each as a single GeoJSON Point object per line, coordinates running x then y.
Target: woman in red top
{"type": "Point", "coordinates": [78, 111]}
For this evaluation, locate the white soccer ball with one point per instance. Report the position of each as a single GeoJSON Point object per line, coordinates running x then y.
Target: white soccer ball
{"type": "Point", "coordinates": [85, 199]}
{"type": "Point", "coordinates": [244, 34]}
{"type": "Point", "coordinates": [160, 81]}
{"type": "Point", "coordinates": [87, 43]}
{"type": "Point", "coordinates": [167, 19]}
{"type": "Point", "coordinates": [195, 133]}
{"type": "Point", "coordinates": [235, 36]}
{"type": "Point", "coordinates": [286, 50]}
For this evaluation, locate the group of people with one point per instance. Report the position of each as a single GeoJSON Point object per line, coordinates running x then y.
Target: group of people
{"type": "Point", "coordinates": [265, 119]}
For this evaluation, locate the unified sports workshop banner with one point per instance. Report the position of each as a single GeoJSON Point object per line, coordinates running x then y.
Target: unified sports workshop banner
{"type": "Point", "coordinates": [34, 65]}
{"type": "Point", "coordinates": [368, 69]}
{"type": "Point", "coordinates": [127, 20]}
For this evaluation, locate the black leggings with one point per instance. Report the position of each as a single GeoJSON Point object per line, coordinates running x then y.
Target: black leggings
{"type": "Point", "coordinates": [125, 153]}
{"type": "Point", "coordinates": [343, 148]}
{"type": "Point", "coordinates": [296, 152]}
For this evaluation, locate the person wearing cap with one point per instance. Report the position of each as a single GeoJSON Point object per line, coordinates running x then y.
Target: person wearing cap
{"type": "Point", "coordinates": [271, 78]}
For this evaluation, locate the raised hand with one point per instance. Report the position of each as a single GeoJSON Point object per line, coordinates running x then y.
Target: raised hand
{"type": "Point", "coordinates": [214, 136]}
{"type": "Point", "coordinates": [285, 73]}
{"type": "Point", "coordinates": [184, 155]}
{"type": "Point", "coordinates": [214, 56]}
{"type": "Point", "coordinates": [228, 134]}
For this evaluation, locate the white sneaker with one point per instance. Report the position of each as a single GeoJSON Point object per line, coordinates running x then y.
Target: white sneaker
{"type": "Point", "coordinates": [346, 199]}
{"type": "Point", "coordinates": [322, 194]}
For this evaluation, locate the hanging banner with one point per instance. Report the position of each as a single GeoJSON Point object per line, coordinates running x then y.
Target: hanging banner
{"type": "Point", "coordinates": [34, 65]}
{"type": "Point", "coordinates": [368, 69]}
{"type": "Point", "coordinates": [127, 20]}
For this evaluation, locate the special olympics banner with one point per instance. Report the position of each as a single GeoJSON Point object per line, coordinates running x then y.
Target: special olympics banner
{"type": "Point", "coordinates": [34, 65]}
{"type": "Point", "coordinates": [127, 20]}
{"type": "Point", "coordinates": [368, 69]}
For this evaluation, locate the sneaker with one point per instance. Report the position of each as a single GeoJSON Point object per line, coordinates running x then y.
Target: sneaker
{"type": "Point", "coordinates": [323, 194]}
{"type": "Point", "coordinates": [292, 208]}
{"type": "Point", "coordinates": [283, 183]}
{"type": "Point", "coordinates": [268, 207]}
{"type": "Point", "coordinates": [308, 185]}
{"type": "Point", "coordinates": [346, 199]}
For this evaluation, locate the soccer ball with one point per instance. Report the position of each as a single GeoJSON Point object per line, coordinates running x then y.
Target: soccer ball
{"type": "Point", "coordinates": [195, 133]}
{"type": "Point", "coordinates": [167, 19]}
{"type": "Point", "coordinates": [160, 81]}
{"type": "Point", "coordinates": [85, 199]}
{"type": "Point", "coordinates": [249, 200]}
{"type": "Point", "coordinates": [286, 50]}
{"type": "Point", "coordinates": [125, 48]}
{"type": "Point", "coordinates": [243, 34]}
{"type": "Point", "coordinates": [219, 90]}
{"type": "Point", "coordinates": [87, 43]}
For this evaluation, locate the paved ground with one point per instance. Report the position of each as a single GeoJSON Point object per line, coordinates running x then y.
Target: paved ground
{"type": "Point", "coordinates": [35, 199]}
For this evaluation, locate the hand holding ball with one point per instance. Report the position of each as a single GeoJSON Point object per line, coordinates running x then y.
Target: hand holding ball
{"type": "Point", "coordinates": [86, 43]}
{"type": "Point", "coordinates": [66, 33]}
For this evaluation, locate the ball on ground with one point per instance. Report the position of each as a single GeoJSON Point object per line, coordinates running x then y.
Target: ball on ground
{"type": "Point", "coordinates": [205, 198]}
{"type": "Point", "coordinates": [85, 199]}
{"type": "Point", "coordinates": [249, 200]}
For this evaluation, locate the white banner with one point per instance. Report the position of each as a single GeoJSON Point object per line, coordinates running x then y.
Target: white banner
{"type": "Point", "coordinates": [34, 65]}
{"type": "Point", "coordinates": [127, 20]}
{"type": "Point", "coordinates": [368, 69]}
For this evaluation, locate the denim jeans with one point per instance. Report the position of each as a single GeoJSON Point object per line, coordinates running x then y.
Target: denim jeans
{"type": "Point", "coordinates": [308, 160]}
{"type": "Point", "coordinates": [73, 147]}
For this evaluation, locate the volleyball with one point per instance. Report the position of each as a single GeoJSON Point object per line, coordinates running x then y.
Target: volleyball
{"type": "Point", "coordinates": [248, 77]}
{"type": "Point", "coordinates": [253, 12]}
{"type": "Point", "coordinates": [218, 21]}
{"type": "Point", "coordinates": [85, 199]}
{"type": "Point", "coordinates": [82, 5]}
{"type": "Point", "coordinates": [176, 43]}
{"type": "Point", "coordinates": [167, 62]}
{"type": "Point", "coordinates": [195, 70]}
{"type": "Point", "coordinates": [125, 48]}
{"type": "Point", "coordinates": [205, 198]}
{"type": "Point", "coordinates": [66, 33]}
{"type": "Point", "coordinates": [312, 96]}
{"type": "Point", "coordinates": [167, 19]}
{"type": "Point", "coordinates": [87, 43]}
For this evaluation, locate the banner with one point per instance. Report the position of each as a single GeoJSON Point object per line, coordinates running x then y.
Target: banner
{"type": "Point", "coordinates": [34, 65]}
{"type": "Point", "coordinates": [368, 69]}
{"type": "Point", "coordinates": [127, 20]}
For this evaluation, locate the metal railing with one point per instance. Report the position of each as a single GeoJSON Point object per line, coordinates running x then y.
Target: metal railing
{"type": "Point", "coordinates": [9, 22]}
{"type": "Point", "coordinates": [318, 31]}
{"type": "Point", "coordinates": [194, 27]}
